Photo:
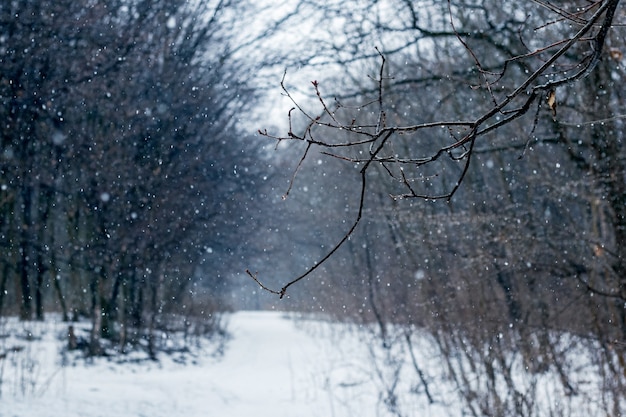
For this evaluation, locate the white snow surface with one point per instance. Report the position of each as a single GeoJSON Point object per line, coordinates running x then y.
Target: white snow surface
{"type": "Point", "coordinates": [271, 366]}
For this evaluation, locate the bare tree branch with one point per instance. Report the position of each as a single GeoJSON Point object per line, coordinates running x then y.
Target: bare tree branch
{"type": "Point", "coordinates": [512, 106]}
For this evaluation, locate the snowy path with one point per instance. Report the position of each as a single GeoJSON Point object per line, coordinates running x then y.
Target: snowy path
{"type": "Point", "coordinates": [269, 369]}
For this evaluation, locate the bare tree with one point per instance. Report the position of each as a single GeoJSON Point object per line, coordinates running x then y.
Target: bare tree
{"type": "Point", "coordinates": [118, 130]}
{"type": "Point", "coordinates": [453, 141]}
{"type": "Point", "coordinates": [519, 118]}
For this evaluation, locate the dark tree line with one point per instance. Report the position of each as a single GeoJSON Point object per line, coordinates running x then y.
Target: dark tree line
{"type": "Point", "coordinates": [117, 141]}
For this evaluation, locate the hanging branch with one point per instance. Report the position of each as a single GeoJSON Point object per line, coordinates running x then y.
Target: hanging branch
{"type": "Point", "coordinates": [379, 135]}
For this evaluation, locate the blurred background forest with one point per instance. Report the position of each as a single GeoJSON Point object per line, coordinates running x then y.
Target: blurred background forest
{"type": "Point", "coordinates": [135, 189]}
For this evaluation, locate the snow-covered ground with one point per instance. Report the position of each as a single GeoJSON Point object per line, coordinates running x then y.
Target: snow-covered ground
{"type": "Point", "coordinates": [270, 367]}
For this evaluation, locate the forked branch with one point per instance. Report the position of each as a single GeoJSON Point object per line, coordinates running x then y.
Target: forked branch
{"type": "Point", "coordinates": [594, 30]}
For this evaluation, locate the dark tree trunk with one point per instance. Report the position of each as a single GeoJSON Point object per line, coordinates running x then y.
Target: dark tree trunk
{"type": "Point", "coordinates": [95, 347]}
{"type": "Point", "coordinates": [3, 284]}
{"type": "Point", "coordinates": [24, 267]}
{"type": "Point", "coordinates": [609, 168]}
